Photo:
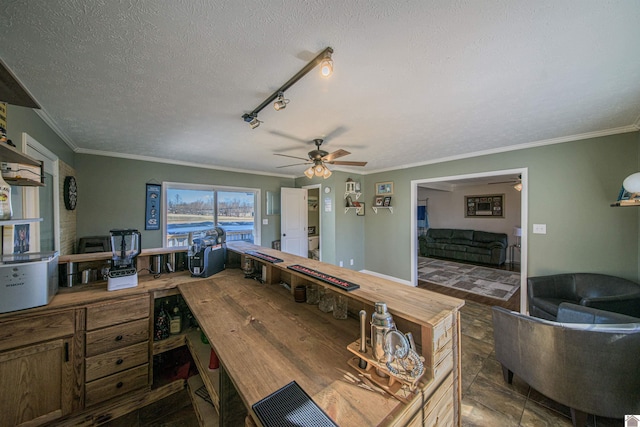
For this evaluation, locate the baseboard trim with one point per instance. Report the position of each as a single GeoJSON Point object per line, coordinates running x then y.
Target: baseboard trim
{"type": "Point", "coordinates": [384, 276]}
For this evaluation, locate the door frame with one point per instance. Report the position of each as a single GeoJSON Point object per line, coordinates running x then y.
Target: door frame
{"type": "Point", "coordinates": [319, 187]}
{"type": "Point", "coordinates": [524, 218]}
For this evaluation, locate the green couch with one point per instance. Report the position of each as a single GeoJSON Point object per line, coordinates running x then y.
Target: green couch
{"type": "Point", "coordinates": [464, 245]}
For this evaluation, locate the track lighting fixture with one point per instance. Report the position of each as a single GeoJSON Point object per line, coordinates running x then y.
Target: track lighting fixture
{"type": "Point", "coordinates": [281, 102]}
{"type": "Point", "coordinates": [326, 66]}
{"type": "Point", "coordinates": [252, 119]}
{"type": "Point", "coordinates": [326, 69]}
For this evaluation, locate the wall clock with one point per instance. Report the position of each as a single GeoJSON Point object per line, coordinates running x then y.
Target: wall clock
{"type": "Point", "coordinates": [70, 193]}
{"type": "Point", "coordinates": [327, 190]}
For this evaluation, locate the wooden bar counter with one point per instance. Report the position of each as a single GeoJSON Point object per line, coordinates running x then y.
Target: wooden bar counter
{"type": "Point", "coordinates": [265, 340]}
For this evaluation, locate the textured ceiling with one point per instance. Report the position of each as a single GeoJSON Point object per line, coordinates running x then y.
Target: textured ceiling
{"type": "Point", "coordinates": [415, 81]}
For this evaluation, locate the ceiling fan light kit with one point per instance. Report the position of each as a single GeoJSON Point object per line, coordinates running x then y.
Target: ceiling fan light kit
{"type": "Point", "coordinates": [326, 69]}
{"type": "Point", "coordinates": [318, 158]}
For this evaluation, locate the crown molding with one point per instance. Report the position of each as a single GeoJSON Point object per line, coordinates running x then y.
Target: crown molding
{"type": "Point", "coordinates": [177, 162]}
{"type": "Point", "coordinates": [56, 129]}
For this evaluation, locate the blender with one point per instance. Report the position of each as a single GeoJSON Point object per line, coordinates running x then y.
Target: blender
{"type": "Point", "coordinates": [125, 245]}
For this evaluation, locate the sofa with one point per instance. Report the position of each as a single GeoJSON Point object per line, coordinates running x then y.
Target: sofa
{"type": "Point", "coordinates": [464, 245]}
{"type": "Point", "coordinates": [610, 293]}
{"type": "Point", "coordinates": [590, 368]}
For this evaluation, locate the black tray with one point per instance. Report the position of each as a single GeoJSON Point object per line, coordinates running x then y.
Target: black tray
{"type": "Point", "coordinates": [326, 278]}
{"type": "Point", "coordinates": [291, 406]}
{"type": "Point", "coordinates": [264, 257]}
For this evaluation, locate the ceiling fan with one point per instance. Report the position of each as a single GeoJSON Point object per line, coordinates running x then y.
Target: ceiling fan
{"type": "Point", "coordinates": [318, 158]}
{"type": "Point", "coordinates": [516, 182]}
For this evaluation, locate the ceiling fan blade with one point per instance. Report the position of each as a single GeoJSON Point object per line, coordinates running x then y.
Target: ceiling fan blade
{"type": "Point", "coordinates": [336, 154]}
{"type": "Point", "coordinates": [348, 163]}
{"type": "Point", "coordinates": [286, 135]}
{"type": "Point", "coordinates": [293, 157]}
{"type": "Point", "coordinates": [295, 164]}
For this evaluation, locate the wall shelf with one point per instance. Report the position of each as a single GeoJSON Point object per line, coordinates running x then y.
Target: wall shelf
{"type": "Point", "coordinates": [9, 154]}
{"type": "Point", "coordinates": [356, 194]}
{"type": "Point", "coordinates": [358, 209]}
{"type": "Point", "coordinates": [375, 208]}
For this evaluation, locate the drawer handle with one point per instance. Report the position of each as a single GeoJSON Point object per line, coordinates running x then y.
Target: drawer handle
{"type": "Point", "coordinates": [119, 362]}
{"type": "Point", "coordinates": [120, 384]}
{"type": "Point", "coordinates": [119, 338]}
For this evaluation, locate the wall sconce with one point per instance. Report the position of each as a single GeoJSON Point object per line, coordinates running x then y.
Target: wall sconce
{"type": "Point", "coordinates": [324, 58]}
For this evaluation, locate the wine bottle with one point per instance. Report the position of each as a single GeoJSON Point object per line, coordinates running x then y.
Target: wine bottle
{"type": "Point", "coordinates": [161, 329]}
{"type": "Point", "coordinates": [176, 321]}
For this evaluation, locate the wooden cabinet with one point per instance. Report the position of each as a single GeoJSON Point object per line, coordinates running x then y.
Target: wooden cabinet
{"type": "Point", "coordinates": [117, 348]}
{"type": "Point", "coordinates": [37, 368]}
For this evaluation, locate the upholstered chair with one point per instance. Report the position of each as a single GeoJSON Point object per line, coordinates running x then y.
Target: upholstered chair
{"type": "Point", "coordinates": [610, 293]}
{"type": "Point", "coordinates": [591, 368]}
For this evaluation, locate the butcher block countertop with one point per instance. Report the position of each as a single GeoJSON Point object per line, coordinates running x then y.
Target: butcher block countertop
{"type": "Point", "coordinates": [265, 340]}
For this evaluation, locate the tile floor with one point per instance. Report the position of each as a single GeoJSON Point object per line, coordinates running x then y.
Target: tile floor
{"type": "Point", "coordinates": [486, 399]}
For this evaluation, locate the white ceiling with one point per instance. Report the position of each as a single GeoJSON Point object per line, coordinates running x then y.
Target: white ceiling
{"type": "Point", "coordinates": [415, 81]}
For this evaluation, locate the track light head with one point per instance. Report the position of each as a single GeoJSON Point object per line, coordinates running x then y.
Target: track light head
{"type": "Point", "coordinates": [281, 102]}
{"type": "Point", "coordinates": [326, 66]}
{"type": "Point", "coordinates": [252, 119]}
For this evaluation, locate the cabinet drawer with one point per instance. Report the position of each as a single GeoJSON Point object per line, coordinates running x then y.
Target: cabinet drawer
{"type": "Point", "coordinates": [116, 337]}
{"type": "Point", "coordinates": [116, 384]}
{"type": "Point", "coordinates": [113, 313]}
{"type": "Point", "coordinates": [30, 330]}
{"type": "Point", "coordinates": [116, 361]}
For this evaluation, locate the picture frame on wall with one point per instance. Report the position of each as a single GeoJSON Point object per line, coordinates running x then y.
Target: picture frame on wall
{"type": "Point", "coordinates": [384, 188]}
{"type": "Point", "coordinates": [387, 201]}
{"type": "Point", "coordinates": [360, 211]}
{"type": "Point", "coordinates": [378, 201]}
{"type": "Point", "coordinates": [484, 206]}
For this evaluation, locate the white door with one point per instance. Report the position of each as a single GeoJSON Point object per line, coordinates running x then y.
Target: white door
{"type": "Point", "coordinates": [293, 221]}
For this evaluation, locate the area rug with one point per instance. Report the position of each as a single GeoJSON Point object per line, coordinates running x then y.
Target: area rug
{"type": "Point", "coordinates": [485, 281]}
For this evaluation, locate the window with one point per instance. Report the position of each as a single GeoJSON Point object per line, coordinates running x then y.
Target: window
{"type": "Point", "coordinates": [192, 208]}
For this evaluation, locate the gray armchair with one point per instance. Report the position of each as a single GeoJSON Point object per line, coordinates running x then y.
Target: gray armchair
{"type": "Point", "coordinates": [600, 291]}
{"type": "Point", "coordinates": [591, 368]}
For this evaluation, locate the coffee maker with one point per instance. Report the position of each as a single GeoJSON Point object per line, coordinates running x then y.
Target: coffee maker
{"type": "Point", "coordinates": [125, 245]}
{"type": "Point", "coordinates": [207, 252]}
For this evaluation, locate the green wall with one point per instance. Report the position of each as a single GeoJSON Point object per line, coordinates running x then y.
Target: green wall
{"type": "Point", "coordinates": [111, 193]}
{"type": "Point", "coordinates": [571, 186]}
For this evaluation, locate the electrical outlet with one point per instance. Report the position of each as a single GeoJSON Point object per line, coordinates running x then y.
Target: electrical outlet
{"type": "Point", "coordinates": [265, 221]}
{"type": "Point", "coordinates": [341, 264]}
{"type": "Point", "coordinates": [539, 228]}
{"type": "Point", "coordinates": [351, 261]}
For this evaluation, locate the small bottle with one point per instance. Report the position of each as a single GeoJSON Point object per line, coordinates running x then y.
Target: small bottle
{"type": "Point", "coordinates": [5, 200]}
{"type": "Point", "coordinates": [175, 326]}
{"type": "Point", "coordinates": [161, 330]}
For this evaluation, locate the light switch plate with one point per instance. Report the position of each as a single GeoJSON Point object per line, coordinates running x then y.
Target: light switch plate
{"type": "Point", "coordinates": [265, 222]}
{"type": "Point", "coordinates": [539, 228]}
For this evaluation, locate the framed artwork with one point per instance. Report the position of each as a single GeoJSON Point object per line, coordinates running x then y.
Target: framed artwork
{"type": "Point", "coordinates": [21, 239]}
{"type": "Point", "coordinates": [387, 201]}
{"type": "Point", "coordinates": [349, 202]}
{"type": "Point", "coordinates": [311, 230]}
{"type": "Point", "coordinates": [484, 206]}
{"type": "Point", "coordinates": [384, 188]}
{"type": "Point", "coordinates": [152, 210]}
{"type": "Point", "coordinates": [378, 201]}
{"type": "Point", "coordinates": [360, 212]}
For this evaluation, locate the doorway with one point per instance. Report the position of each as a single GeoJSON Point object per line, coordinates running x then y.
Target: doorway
{"type": "Point", "coordinates": [314, 221]}
{"type": "Point", "coordinates": [486, 177]}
